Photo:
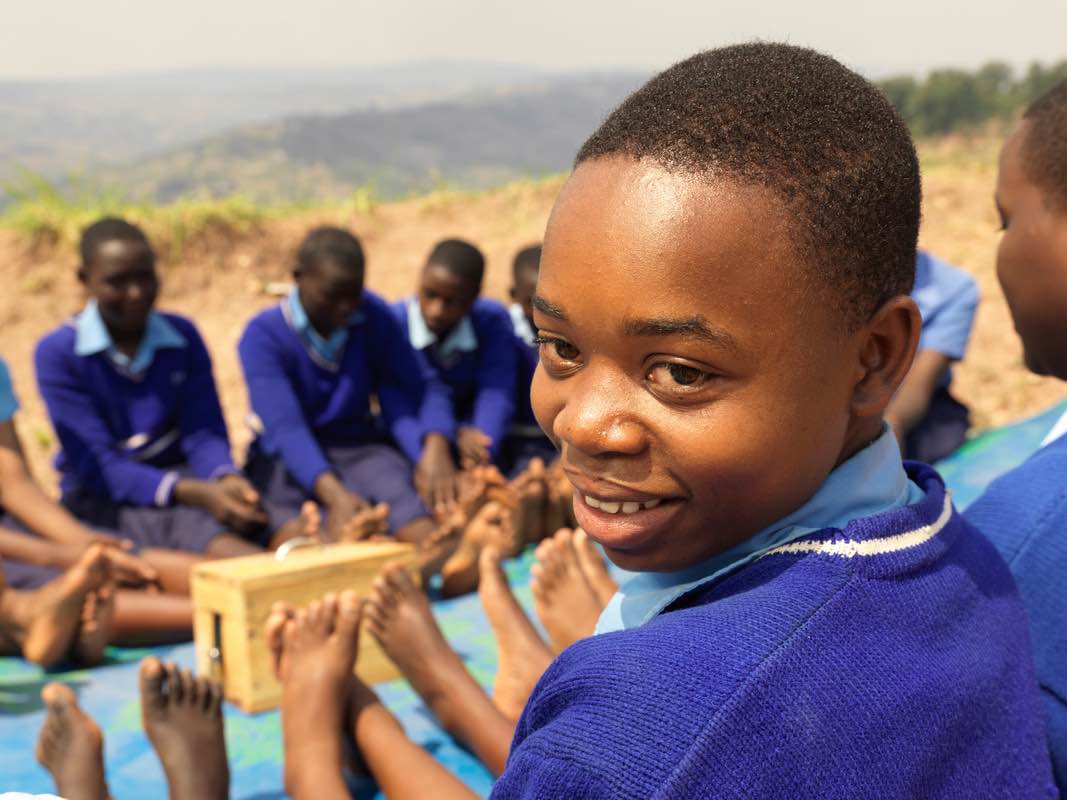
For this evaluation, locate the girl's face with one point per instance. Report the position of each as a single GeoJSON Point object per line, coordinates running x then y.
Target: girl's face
{"type": "Point", "coordinates": [1032, 261]}
{"type": "Point", "coordinates": [696, 389]}
{"type": "Point", "coordinates": [122, 279]}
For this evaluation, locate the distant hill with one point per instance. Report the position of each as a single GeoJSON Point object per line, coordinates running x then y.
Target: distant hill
{"type": "Point", "coordinates": [54, 127]}
{"type": "Point", "coordinates": [479, 140]}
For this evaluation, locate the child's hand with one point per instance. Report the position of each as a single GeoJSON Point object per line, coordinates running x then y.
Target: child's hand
{"type": "Point", "coordinates": [473, 446]}
{"type": "Point", "coordinates": [231, 500]}
{"type": "Point", "coordinates": [435, 474]}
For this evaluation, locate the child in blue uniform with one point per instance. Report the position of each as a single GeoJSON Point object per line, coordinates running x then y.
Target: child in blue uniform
{"type": "Point", "coordinates": [1024, 512]}
{"type": "Point", "coordinates": [466, 340]}
{"type": "Point", "coordinates": [929, 422]}
{"type": "Point", "coordinates": [313, 365]}
{"type": "Point", "coordinates": [144, 450]}
{"type": "Point", "coordinates": [724, 315]}
{"type": "Point", "coordinates": [525, 440]}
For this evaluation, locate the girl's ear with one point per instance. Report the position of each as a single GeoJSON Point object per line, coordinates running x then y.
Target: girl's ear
{"type": "Point", "coordinates": [83, 277]}
{"type": "Point", "coordinates": [886, 348]}
{"type": "Point", "coordinates": [296, 273]}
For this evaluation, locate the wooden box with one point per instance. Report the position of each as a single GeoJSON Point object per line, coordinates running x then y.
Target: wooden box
{"type": "Point", "coordinates": [232, 599]}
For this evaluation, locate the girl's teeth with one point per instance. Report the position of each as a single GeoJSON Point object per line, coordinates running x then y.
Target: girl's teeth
{"type": "Point", "coordinates": [614, 508]}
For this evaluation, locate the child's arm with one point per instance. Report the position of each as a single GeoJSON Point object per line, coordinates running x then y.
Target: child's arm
{"type": "Point", "coordinates": [87, 443]}
{"type": "Point", "coordinates": [494, 406]}
{"type": "Point", "coordinates": [24, 500]}
{"type": "Point", "coordinates": [417, 407]}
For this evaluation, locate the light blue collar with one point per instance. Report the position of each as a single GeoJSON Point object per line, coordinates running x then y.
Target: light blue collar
{"type": "Point", "coordinates": [92, 336]}
{"type": "Point", "coordinates": [325, 351]}
{"type": "Point", "coordinates": [869, 483]}
{"type": "Point", "coordinates": [520, 324]}
{"type": "Point", "coordinates": [462, 339]}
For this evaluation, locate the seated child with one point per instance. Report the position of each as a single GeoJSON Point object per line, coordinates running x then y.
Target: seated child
{"type": "Point", "coordinates": [466, 340]}
{"type": "Point", "coordinates": [929, 422]}
{"type": "Point", "coordinates": [144, 450]}
{"type": "Point", "coordinates": [313, 365]}
{"type": "Point", "coordinates": [525, 439]}
{"type": "Point", "coordinates": [1024, 512]}
{"type": "Point", "coordinates": [724, 317]}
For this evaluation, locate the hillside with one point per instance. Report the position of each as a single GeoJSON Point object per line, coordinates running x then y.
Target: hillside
{"type": "Point", "coordinates": [219, 277]}
{"type": "Point", "coordinates": [481, 140]}
{"type": "Point", "coordinates": [58, 126]}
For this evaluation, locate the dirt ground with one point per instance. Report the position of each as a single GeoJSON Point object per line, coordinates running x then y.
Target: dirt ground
{"type": "Point", "coordinates": [220, 279]}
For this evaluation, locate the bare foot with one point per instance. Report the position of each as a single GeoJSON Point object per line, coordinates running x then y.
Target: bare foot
{"type": "Point", "coordinates": [532, 492]}
{"type": "Point", "coordinates": [594, 567]}
{"type": "Point", "coordinates": [399, 618]}
{"type": "Point", "coordinates": [46, 619]}
{"type": "Point", "coordinates": [307, 525]}
{"type": "Point", "coordinates": [70, 746]}
{"type": "Point", "coordinates": [97, 626]}
{"type": "Point", "coordinates": [492, 525]}
{"type": "Point", "coordinates": [274, 633]}
{"type": "Point", "coordinates": [521, 654]}
{"type": "Point", "coordinates": [563, 598]}
{"type": "Point", "coordinates": [182, 718]}
{"type": "Point", "coordinates": [319, 648]}
{"type": "Point", "coordinates": [369, 523]}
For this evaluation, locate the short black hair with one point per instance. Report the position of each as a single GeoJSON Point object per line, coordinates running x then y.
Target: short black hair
{"type": "Point", "coordinates": [328, 244]}
{"type": "Point", "coordinates": [105, 230]}
{"type": "Point", "coordinates": [527, 259]}
{"type": "Point", "coordinates": [461, 258]}
{"type": "Point", "coordinates": [796, 122]}
{"type": "Point", "coordinates": [1044, 149]}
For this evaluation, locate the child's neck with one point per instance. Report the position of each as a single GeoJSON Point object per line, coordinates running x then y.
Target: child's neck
{"type": "Point", "coordinates": [127, 343]}
{"type": "Point", "coordinates": [861, 434]}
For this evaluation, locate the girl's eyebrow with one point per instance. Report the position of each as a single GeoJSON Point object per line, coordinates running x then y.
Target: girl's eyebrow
{"type": "Point", "coordinates": [694, 327]}
{"type": "Point", "coordinates": [550, 309]}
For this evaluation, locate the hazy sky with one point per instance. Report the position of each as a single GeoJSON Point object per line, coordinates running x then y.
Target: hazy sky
{"type": "Point", "coordinates": [59, 38]}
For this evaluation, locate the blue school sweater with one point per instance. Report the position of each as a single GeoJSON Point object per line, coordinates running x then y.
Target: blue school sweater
{"type": "Point", "coordinates": [124, 433]}
{"type": "Point", "coordinates": [304, 404]}
{"type": "Point", "coordinates": [1024, 514]}
{"type": "Point", "coordinates": [888, 659]}
{"type": "Point", "coordinates": [479, 368]}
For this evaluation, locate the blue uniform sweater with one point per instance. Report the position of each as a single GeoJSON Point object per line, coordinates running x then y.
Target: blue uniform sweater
{"type": "Point", "coordinates": [889, 659]}
{"type": "Point", "coordinates": [303, 405]}
{"type": "Point", "coordinates": [481, 381]}
{"type": "Point", "coordinates": [121, 436]}
{"type": "Point", "coordinates": [1024, 514]}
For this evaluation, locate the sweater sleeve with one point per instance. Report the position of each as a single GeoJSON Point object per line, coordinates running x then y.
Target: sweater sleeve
{"type": "Point", "coordinates": [494, 404]}
{"type": "Point", "coordinates": [414, 402]}
{"type": "Point", "coordinates": [948, 329]}
{"type": "Point", "coordinates": [274, 401]}
{"type": "Point", "coordinates": [88, 445]}
{"type": "Point", "coordinates": [203, 429]}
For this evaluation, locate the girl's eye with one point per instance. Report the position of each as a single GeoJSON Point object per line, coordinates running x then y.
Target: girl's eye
{"type": "Point", "coordinates": [556, 349]}
{"type": "Point", "coordinates": [670, 375]}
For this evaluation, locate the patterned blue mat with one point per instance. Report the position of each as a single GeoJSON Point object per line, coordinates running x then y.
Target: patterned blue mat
{"type": "Point", "coordinates": [109, 693]}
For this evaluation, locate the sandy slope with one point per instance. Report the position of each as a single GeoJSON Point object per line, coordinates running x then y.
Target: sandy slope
{"type": "Point", "coordinates": [219, 280]}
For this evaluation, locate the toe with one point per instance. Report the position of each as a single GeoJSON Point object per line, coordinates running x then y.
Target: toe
{"type": "Point", "coordinates": [190, 696]}
{"type": "Point", "coordinates": [152, 678]}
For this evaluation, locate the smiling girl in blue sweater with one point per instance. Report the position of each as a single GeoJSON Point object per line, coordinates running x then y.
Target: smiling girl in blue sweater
{"type": "Point", "coordinates": [723, 317]}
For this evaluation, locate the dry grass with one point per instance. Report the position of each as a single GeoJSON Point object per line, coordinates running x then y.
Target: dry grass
{"type": "Point", "coordinates": [218, 277]}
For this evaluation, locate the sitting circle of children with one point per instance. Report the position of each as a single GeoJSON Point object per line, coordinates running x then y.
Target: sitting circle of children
{"type": "Point", "coordinates": [707, 378]}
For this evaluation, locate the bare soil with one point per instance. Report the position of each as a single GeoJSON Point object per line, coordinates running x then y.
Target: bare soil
{"type": "Point", "coordinates": [220, 279]}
